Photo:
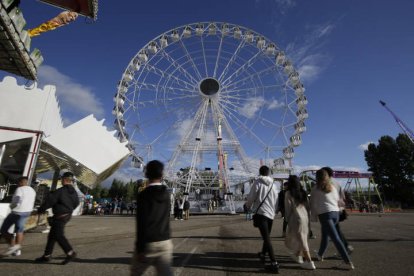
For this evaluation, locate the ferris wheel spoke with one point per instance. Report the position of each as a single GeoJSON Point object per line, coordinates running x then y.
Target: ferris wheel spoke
{"type": "Point", "coordinates": [204, 56]}
{"type": "Point", "coordinates": [162, 117]}
{"type": "Point", "coordinates": [243, 67]}
{"type": "Point", "coordinates": [218, 56]}
{"type": "Point", "coordinates": [259, 73]}
{"type": "Point", "coordinates": [158, 87]}
{"type": "Point", "coordinates": [263, 88]}
{"type": "Point", "coordinates": [178, 66]}
{"type": "Point", "coordinates": [190, 59]}
{"type": "Point", "coordinates": [236, 97]}
{"type": "Point", "coordinates": [235, 108]}
{"type": "Point", "coordinates": [250, 77]}
{"type": "Point", "coordinates": [232, 59]}
{"type": "Point", "coordinates": [161, 100]}
{"type": "Point", "coordinates": [164, 74]}
{"type": "Point", "coordinates": [241, 124]}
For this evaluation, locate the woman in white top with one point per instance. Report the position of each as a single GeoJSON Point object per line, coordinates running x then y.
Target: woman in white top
{"type": "Point", "coordinates": [324, 204]}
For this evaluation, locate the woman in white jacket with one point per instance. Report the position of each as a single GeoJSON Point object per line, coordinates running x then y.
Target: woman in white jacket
{"type": "Point", "coordinates": [324, 204]}
{"type": "Point", "coordinates": [263, 199]}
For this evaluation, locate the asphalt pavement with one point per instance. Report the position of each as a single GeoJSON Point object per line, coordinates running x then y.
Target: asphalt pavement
{"type": "Point", "coordinates": [220, 245]}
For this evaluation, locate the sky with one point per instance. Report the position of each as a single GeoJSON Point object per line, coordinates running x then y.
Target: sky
{"type": "Point", "coordinates": [350, 55]}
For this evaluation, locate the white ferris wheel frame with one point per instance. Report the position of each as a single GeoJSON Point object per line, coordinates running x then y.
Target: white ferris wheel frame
{"type": "Point", "coordinates": [176, 35]}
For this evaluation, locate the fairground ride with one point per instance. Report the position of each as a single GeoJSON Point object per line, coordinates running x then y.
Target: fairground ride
{"type": "Point", "coordinates": [359, 194]}
{"type": "Point", "coordinates": [402, 125]}
{"type": "Point", "coordinates": [213, 101]}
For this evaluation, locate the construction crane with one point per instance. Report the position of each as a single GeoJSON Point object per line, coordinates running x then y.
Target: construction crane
{"type": "Point", "coordinates": [405, 128]}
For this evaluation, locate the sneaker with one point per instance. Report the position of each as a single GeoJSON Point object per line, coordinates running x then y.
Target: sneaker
{"type": "Point", "coordinates": [350, 249]}
{"type": "Point", "coordinates": [262, 257]}
{"type": "Point", "coordinates": [43, 259]}
{"type": "Point", "coordinates": [297, 259]}
{"type": "Point", "coordinates": [273, 267]}
{"type": "Point", "coordinates": [308, 265]}
{"type": "Point", "coordinates": [69, 258]}
{"type": "Point", "coordinates": [17, 253]}
{"type": "Point", "coordinates": [318, 257]}
{"type": "Point", "coordinates": [311, 236]}
{"type": "Point", "coordinates": [347, 266]}
{"type": "Point", "coordinates": [12, 249]}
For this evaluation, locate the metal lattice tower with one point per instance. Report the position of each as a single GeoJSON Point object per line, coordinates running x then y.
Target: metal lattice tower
{"type": "Point", "coordinates": [402, 125]}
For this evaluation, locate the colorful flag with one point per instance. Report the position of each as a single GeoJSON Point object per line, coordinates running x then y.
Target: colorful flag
{"type": "Point", "coordinates": [62, 19]}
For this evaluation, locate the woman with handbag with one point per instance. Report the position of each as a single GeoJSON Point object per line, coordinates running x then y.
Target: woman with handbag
{"type": "Point", "coordinates": [263, 199]}
{"type": "Point", "coordinates": [297, 216]}
{"type": "Point", "coordinates": [324, 204]}
{"type": "Point", "coordinates": [343, 215]}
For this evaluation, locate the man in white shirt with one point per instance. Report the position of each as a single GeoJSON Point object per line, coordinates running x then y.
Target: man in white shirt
{"type": "Point", "coordinates": [22, 206]}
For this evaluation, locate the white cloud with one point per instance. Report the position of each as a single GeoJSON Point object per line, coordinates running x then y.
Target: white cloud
{"type": "Point", "coordinates": [309, 72]}
{"type": "Point", "coordinates": [251, 106]}
{"type": "Point", "coordinates": [183, 127]}
{"type": "Point", "coordinates": [285, 5]}
{"type": "Point", "coordinates": [307, 55]}
{"type": "Point", "coordinates": [323, 30]}
{"type": "Point", "coordinates": [71, 94]}
{"type": "Point", "coordinates": [365, 146]}
{"type": "Point", "coordinates": [275, 104]}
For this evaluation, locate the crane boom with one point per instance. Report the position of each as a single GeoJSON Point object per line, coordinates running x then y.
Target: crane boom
{"type": "Point", "coordinates": [402, 125]}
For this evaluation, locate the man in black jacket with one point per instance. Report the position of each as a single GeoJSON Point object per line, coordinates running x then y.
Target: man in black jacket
{"type": "Point", "coordinates": [153, 245]}
{"type": "Point", "coordinates": [63, 202]}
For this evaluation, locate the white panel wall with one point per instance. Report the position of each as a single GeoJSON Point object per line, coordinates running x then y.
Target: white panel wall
{"type": "Point", "coordinates": [33, 109]}
{"type": "Point", "coordinates": [90, 143]}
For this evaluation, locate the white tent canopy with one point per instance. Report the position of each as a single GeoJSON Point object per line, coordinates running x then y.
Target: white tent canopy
{"type": "Point", "coordinates": [86, 147]}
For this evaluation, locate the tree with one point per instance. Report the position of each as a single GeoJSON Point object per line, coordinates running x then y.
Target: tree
{"type": "Point", "coordinates": [104, 193]}
{"type": "Point", "coordinates": [130, 189]}
{"type": "Point", "coordinates": [392, 164]}
{"type": "Point", "coordinates": [116, 189]}
{"type": "Point", "coordinates": [96, 192]}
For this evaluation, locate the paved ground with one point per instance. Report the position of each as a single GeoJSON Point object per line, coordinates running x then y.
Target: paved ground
{"type": "Point", "coordinates": [220, 245]}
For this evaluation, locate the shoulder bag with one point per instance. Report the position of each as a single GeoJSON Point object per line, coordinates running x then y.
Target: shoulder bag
{"type": "Point", "coordinates": [256, 216]}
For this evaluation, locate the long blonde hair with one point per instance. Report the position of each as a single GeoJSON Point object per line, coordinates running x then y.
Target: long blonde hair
{"type": "Point", "coordinates": [323, 181]}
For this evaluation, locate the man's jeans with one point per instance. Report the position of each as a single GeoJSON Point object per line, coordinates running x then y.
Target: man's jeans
{"type": "Point", "coordinates": [265, 227]}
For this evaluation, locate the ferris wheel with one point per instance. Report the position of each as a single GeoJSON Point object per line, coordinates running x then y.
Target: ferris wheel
{"type": "Point", "coordinates": [213, 101]}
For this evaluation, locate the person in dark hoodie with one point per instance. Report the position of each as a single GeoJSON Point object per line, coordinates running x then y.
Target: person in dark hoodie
{"type": "Point", "coordinates": [63, 201]}
{"type": "Point", "coordinates": [153, 246]}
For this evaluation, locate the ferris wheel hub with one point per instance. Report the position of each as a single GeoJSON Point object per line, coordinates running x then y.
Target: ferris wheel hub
{"type": "Point", "coordinates": [209, 87]}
